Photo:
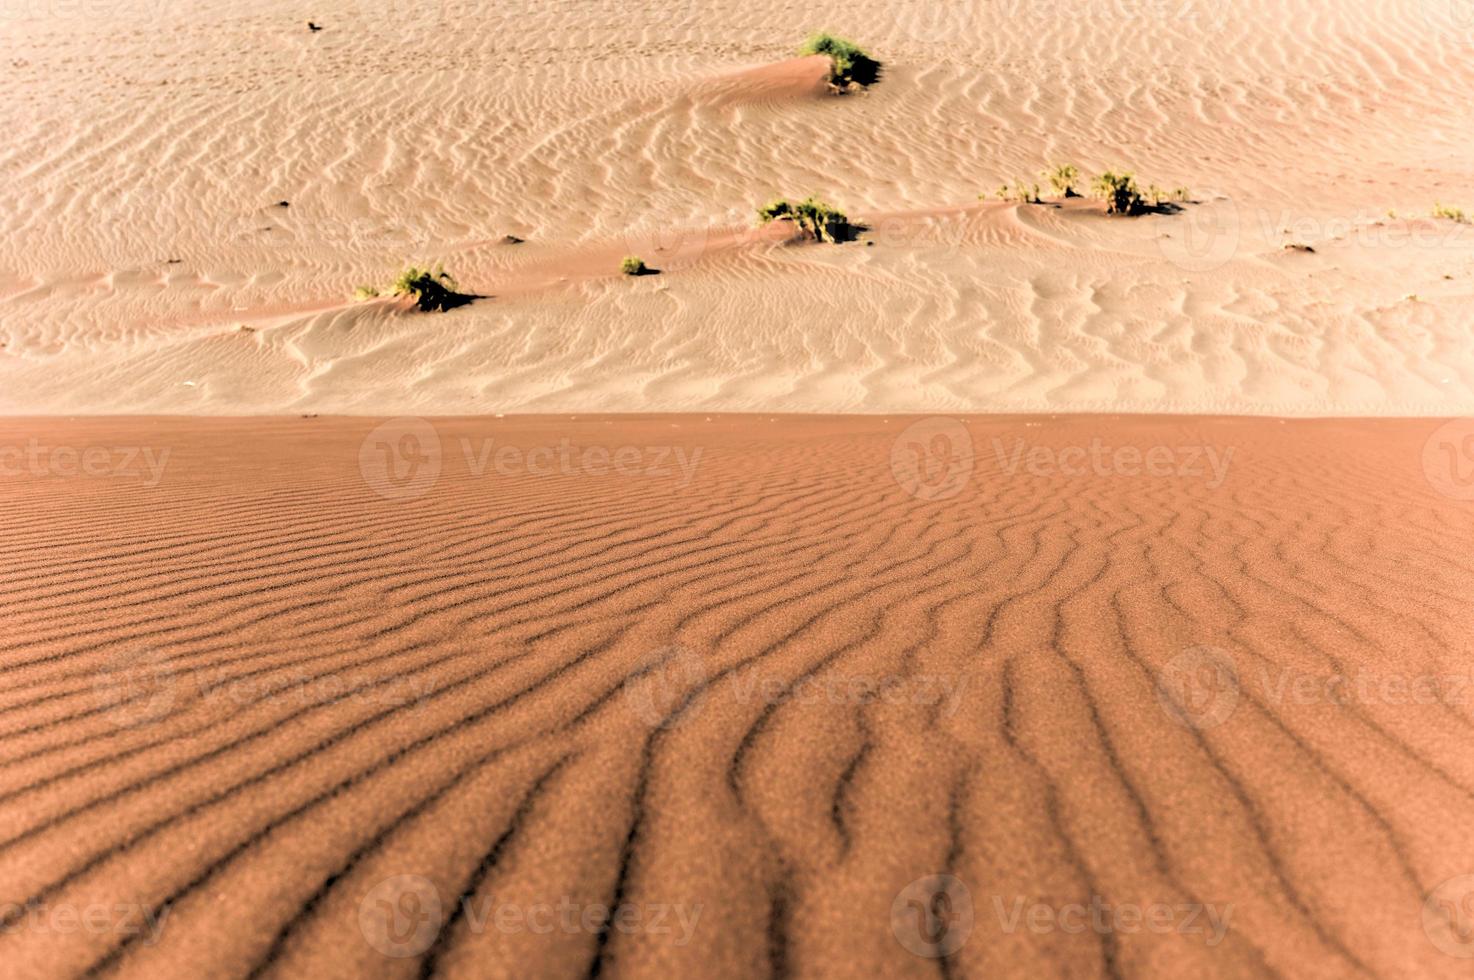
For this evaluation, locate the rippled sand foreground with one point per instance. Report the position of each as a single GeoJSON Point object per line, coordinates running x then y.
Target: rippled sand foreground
{"type": "Point", "coordinates": [735, 696]}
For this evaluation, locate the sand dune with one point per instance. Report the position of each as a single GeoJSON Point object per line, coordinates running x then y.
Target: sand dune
{"type": "Point", "coordinates": [765, 675]}
{"type": "Point", "coordinates": [148, 146]}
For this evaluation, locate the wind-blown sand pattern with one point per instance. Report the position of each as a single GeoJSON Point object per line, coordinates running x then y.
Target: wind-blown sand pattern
{"type": "Point", "coordinates": [149, 143]}
{"type": "Point", "coordinates": [259, 680]}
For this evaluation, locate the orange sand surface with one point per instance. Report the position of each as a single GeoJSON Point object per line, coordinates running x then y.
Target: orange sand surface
{"type": "Point", "coordinates": [1053, 696]}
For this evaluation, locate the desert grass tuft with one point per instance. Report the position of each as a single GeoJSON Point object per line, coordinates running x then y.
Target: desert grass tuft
{"type": "Point", "coordinates": [850, 67]}
{"type": "Point", "coordinates": [1063, 177]}
{"type": "Point", "coordinates": [1120, 193]}
{"type": "Point", "coordinates": [1452, 214]}
{"type": "Point", "coordinates": [432, 289]}
{"type": "Point", "coordinates": [814, 218]}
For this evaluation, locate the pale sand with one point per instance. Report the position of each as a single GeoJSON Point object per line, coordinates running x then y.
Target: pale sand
{"type": "Point", "coordinates": [139, 132]}
{"type": "Point", "coordinates": [547, 625]}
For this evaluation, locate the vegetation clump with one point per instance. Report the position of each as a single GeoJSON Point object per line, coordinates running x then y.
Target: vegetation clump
{"type": "Point", "coordinates": [1452, 214]}
{"type": "Point", "coordinates": [814, 219]}
{"type": "Point", "coordinates": [432, 289]}
{"type": "Point", "coordinates": [1120, 193]}
{"type": "Point", "coordinates": [1023, 193]}
{"type": "Point", "coordinates": [633, 265]}
{"type": "Point", "coordinates": [850, 67]}
{"type": "Point", "coordinates": [1062, 178]}
{"type": "Point", "coordinates": [1119, 190]}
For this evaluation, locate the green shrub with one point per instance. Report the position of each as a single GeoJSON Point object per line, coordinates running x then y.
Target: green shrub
{"type": "Point", "coordinates": [431, 289]}
{"type": "Point", "coordinates": [1021, 192]}
{"type": "Point", "coordinates": [1120, 193]}
{"type": "Point", "coordinates": [633, 265]}
{"type": "Point", "coordinates": [849, 65]}
{"type": "Point", "coordinates": [1452, 214]}
{"type": "Point", "coordinates": [1062, 178]}
{"type": "Point", "coordinates": [813, 217]}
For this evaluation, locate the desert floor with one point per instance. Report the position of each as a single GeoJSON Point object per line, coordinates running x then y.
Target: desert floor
{"type": "Point", "coordinates": [341, 697]}
{"type": "Point", "coordinates": [149, 143]}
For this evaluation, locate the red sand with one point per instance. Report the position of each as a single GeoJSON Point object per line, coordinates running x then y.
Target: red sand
{"type": "Point", "coordinates": [290, 706]}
